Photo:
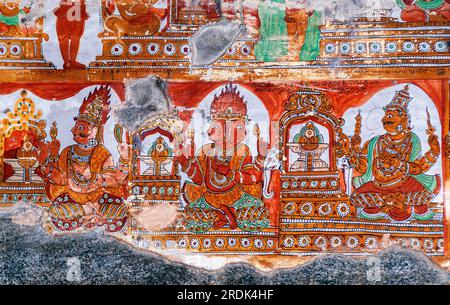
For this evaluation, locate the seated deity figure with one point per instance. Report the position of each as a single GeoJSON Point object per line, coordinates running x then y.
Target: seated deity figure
{"type": "Point", "coordinates": [10, 12]}
{"type": "Point", "coordinates": [309, 146]}
{"type": "Point", "coordinates": [424, 10]}
{"type": "Point", "coordinates": [393, 181]}
{"type": "Point", "coordinates": [84, 184]}
{"type": "Point", "coordinates": [137, 18]}
{"type": "Point", "coordinates": [224, 175]}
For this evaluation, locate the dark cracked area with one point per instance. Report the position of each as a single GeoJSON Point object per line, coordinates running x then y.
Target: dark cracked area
{"type": "Point", "coordinates": [30, 256]}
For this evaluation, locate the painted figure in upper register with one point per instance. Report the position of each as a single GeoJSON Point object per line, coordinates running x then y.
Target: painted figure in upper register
{"type": "Point", "coordinates": [86, 187]}
{"type": "Point", "coordinates": [137, 17]}
{"type": "Point", "coordinates": [10, 12]}
{"type": "Point", "coordinates": [296, 24]}
{"type": "Point", "coordinates": [224, 174]}
{"type": "Point", "coordinates": [393, 180]}
{"type": "Point", "coordinates": [70, 18]}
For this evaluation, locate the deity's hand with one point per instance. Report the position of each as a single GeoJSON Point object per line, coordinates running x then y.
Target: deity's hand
{"type": "Point", "coordinates": [355, 142]}
{"type": "Point", "coordinates": [43, 152]}
{"type": "Point", "coordinates": [434, 144]}
{"type": "Point", "coordinates": [110, 6]}
{"type": "Point", "coordinates": [124, 151]}
{"type": "Point", "coordinates": [183, 152]}
{"type": "Point", "coordinates": [263, 148]}
{"type": "Point", "coordinates": [179, 154]}
{"type": "Point", "coordinates": [54, 147]}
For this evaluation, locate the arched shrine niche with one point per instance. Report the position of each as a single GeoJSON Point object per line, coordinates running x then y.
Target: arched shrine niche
{"type": "Point", "coordinates": [155, 177]}
{"type": "Point", "coordinates": [311, 183]}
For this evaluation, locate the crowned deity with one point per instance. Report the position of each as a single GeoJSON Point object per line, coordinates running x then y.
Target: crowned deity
{"type": "Point", "coordinates": [10, 15]}
{"type": "Point", "coordinates": [85, 185]}
{"type": "Point", "coordinates": [224, 175]}
{"type": "Point", "coordinates": [393, 180]}
{"type": "Point", "coordinates": [136, 17]}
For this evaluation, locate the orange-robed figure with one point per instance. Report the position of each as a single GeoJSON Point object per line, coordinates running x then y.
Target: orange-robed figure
{"type": "Point", "coordinates": [393, 180]}
{"type": "Point", "coordinates": [85, 185]}
{"type": "Point", "coordinates": [70, 18]}
{"type": "Point", "coordinates": [224, 175]}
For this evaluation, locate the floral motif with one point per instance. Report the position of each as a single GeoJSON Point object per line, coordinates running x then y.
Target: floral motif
{"type": "Point", "coordinates": [185, 50]}
{"type": "Point", "coordinates": [245, 50]}
{"type": "Point", "coordinates": [182, 243]}
{"type": "Point", "coordinates": [391, 47]}
{"type": "Point", "coordinates": [195, 243]}
{"type": "Point", "coordinates": [330, 48]}
{"type": "Point", "coordinates": [342, 209]}
{"type": "Point", "coordinates": [408, 46]}
{"type": "Point", "coordinates": [415, 243]}
{"type": "Point", "coordinates": [424, 46]}
{"type": "Point", "coordinates": [157, 244]}
{"type": "Point", "coordinates": [288, 241]}
{"type": "Point", "coordinates": [304, 241]}
{"type": "Point", "coordinates": [306, 208]}
{"type": "Point", "coordinates": [15, 49]}
{"type": "Point", "coordinates": [344, 48]}
{"type": "Point", "coordinates": [360, 48]}
{"type": "Point", "coordinates": [258, 243]}
{"type": "Point", "coordinates": [371, 242]}
{"type": "Point", "coordinates": [220, 243]}
{"type": "Point", "coordinates": [352, 242]}
{"type": "Point", "coordinates": [324, 209]}
{"type": "Point", "coordinates": [440, 46]}
{"type": "Point", "coordinates": [232, 242]}
{"type": "Point", "coordinates": [170, 49]}
{"type": "Point", "coordinates": [3, 49]}
{"type": "Point", "coordinates": [375, 47]}
{"type": "Point", "coordinates": [152, 48]}
{"type": "Point", "coordinates": [135, 49]}
{"type": "Point", "coordinates": [289, 208]}
{"type": "Point", "coordinates": [428, 244]}
{"type": "Point", "coordinates": [117, 49]}
{"type": "Point", "coordinates": [207, 243]}
{"type": "Point", "coordinates": [321, 242]}
{"type": "Point", "coordinates": [231, 51]}
{"type": "Point", "coordinates": [336, 241]}
{"type": "Point", "coordinates": [245, 242]}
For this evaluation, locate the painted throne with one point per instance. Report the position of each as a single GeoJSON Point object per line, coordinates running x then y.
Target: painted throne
{"type": "Point", "coordinates": [154, 175]}
{"type": "Point", "coordinates": [312, 188]}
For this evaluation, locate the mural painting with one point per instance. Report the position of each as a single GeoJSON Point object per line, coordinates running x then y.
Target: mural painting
{"type": "Point", "coordinates": [307, 135]}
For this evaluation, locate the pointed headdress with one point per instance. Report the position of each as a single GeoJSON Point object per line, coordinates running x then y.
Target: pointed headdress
{"type": "Point", "coordinates": [229, 105]}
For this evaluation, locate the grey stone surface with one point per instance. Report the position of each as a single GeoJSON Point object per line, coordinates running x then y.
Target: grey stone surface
{"type": "Point", "coordinates": [210, 42]}
{"type": "Point", "coordinates": [30, 256]}
{"type": "Point", "coordinates": [144, 98]}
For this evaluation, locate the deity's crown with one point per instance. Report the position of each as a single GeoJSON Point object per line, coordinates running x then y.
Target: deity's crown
{"type": "Point", "coordinates": [96, 106]}
{"type": "Point", "coordinates": [400, 101]}
{"type": "Point", "coordinates": [229, 105]}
